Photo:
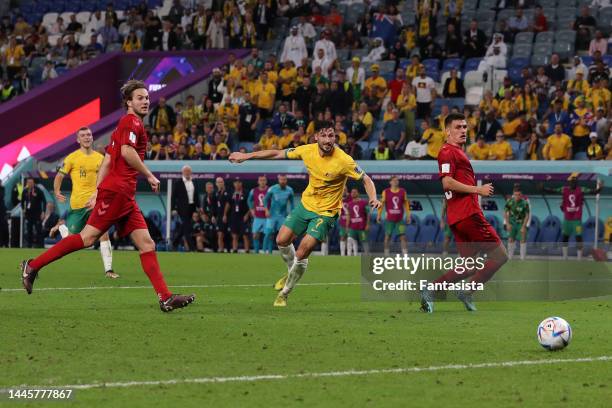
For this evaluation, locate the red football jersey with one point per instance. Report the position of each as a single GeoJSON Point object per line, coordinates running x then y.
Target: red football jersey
{"type": "Point", "coordinates": [453, 162]}
{"type": "Point", "coordinates": [121, 178]}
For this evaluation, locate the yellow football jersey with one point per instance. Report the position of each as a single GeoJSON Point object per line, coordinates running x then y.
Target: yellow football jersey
{"type": "Point", "coordinates": [327, 177]}
{"type": "Point", "coordinates": [83, 171]}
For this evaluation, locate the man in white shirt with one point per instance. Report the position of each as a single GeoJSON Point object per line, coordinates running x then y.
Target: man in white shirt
{"type": "Point", "coordinates": [425, 93]}
{"type": "Point", "coordinates": [307, 30]}
{"type": "Point", "coordinates": [320, 60]}
{"type": "Point", "coordinates": [376, 54]}
{"type": "Point", "coordinates": [295, 48]}
{"type": "Point", "coordinates": [215, 31]}
{"type": "Point", "coordinates": [328, 46]}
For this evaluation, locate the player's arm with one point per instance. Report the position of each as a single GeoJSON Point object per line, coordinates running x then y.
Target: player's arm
{"type": "Point", "coordinates": [370, 189]}
{"type": "Point", "coordinates": [524, 226]}
{"type": "Point", "coordinates": [380, 209]}
{"type": "Point", "coordinates": [450, 184]}
{"type": "Point", "coordinates": [595, 190]}
{"type": "Point", "coordinates": [57, 185]}
{"type": "Point", "coordinates": [237, 157]}
{"type": "Point", "coordinates": [407, 208]}
{"type": "Point", "coordinates": [268, 202]}
{"type": "Point", "coordinates": [131, 157]}
{"type": "Point", "coordinates": [251, 203]}
{"type": "Point", "coordinates": [507, 217]}
{"type": "Point", "coordinates": [443, 214]}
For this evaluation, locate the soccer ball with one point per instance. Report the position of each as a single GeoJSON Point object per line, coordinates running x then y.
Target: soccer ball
{"type": "Point", "coordinates": [554, 333]}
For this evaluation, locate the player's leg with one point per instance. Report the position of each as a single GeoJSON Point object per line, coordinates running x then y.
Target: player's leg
{"type": "Point", "coordinates": [579, 244]}
{"type": "Point", "coordinates": [317, 230]}
{"type": "Point", "coordinates": [389, 227]}
{"type": "Point", "coordinates": [72, 243]}
{"type": "Point", "coordinates": [523, 244]}
{"type": "Point", "coordinates": [245, 238]}
{"type": "Point", "coordinates": [106, 251]}
{"type": "Point", "coordinates": [350, 240]}
{"type": "Point", "coordinates": [404, 243]}
{"type": "Point", "coordinates": [363, 237]}
{"type": "Point", "coordinates": [342, 237]}
{"type": "Point", "coordinates": [566, 231]}
{"type": "Point", "coordinates": [489, 243]}
{"type": "Point", "coordinates": [284, 241]}
{"type": "Point", "coordinates": [148, 259]}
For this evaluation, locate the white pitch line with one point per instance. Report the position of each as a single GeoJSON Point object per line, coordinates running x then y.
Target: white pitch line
{"type": "Point", "coordinates": [254, 285]}
{"type": "Point", "coordinates": [348, 373]}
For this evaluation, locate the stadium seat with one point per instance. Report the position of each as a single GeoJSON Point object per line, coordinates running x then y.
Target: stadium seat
{"type": "Point", "coordinates": [451, 63]}
{"type": "Point", "coordinates": [157, 218]}
{"type": "Point", "coordinates": [472, 79]}
{"type": "Point", "coordinates": [588, 60]}
{"type": "Point", "coordinates": [429, 229]}
{"type": "Point", "coordinates": [247, 145]}
{"type": "Point", "coordinates": [505, 14]}
{"type": "Point", "coordinates": [534, 229]}
{"type": "Point", "coordinates": [564, 49]}
{"type": "Point", "coordinates": [518, 62]}
{"type": "Point", "coordinates": [412, 229]}
{"type": "Point", "coordinates": [550, 229]}
{"type": "Point", "coordinates": [542, 49]}
{"type": "Point", "coordinates": [545, 37]}
{"type": "Point", "coordinates": [565, 36]}
{"type": "Point", "coordinates": [487, 4]}
{"type": "Point", "coordinates": [472, 64]}
{"type": "Point", "coordinates": [566, 11]}
{"type": "Point", "coordinates": [604, 20]}
{"type": "Point", "coordinates": [431, 64]}
{"type": "Point", "coordinates": [540, 60]}
{"type": "Point", "coordinates": [522, 50]}
{"type": "Point", "coordinates": [494, 221]}
{"type": "Point", "coordinates": [607, 59]}
{"type": "Point", "coordinates": [485, 15]}
{"type": "Point", "coordinates": [523, 38]}
{"type": "Point", "coordinates": [588, 230]}
{"type": "Point", "coordinates": [566, 3]}
{"type": "Point", "coordinates": [387, 67]}
{"type": "Point", "coordinates": [580, 156]}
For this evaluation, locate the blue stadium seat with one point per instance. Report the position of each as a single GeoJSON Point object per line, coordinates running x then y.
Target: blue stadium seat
{"type": "Point", "coordinates": [607, 59]}
{"type": "Point", "coordinates": [472, 64]}
{"type": "Point", "coordinates": [157, 219]}
{"type": "Point", "coordinates": [588, 230]}
{"type": "Point", "coordinates": [550, 229]}
{"type": "Point", "coordinates": [451, 63]}
{"type": "Point", "coordinates": [494, 221]}
{"type": "Point", "coordinates": [431, 64]}
{"type": "Point", "coordinates": [534, 229]}
{"type": "Point", "coordinates": [247, 145]}
{"type": "Point", "coordinates": [518, 62]}
{"type": "Point", "coordinates": [515, 75]}
{"type": "Point", "coordinates": [430, 227]}
{"type": "Point", "coordinates": [412, 229]}
{"type": "Point", "coordinates": [376, 233]}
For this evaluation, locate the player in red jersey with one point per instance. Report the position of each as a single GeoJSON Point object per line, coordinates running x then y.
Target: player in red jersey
{"type": "Point", "coordinates": [358, 224]}
{"type": "Point", "coordinates": [473, 234]}
{"type": "Point", "coordinates": [115, 204]}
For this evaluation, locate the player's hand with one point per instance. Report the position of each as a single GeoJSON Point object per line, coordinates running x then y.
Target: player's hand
{"type": "Point", "coordinates": [378, 220]}
{"type": "Point", "coordinates": [53, 230]}
{"type": "Point", "coordinates": [245, 218]}
{"type": "Point", "coordinates": [91, 203]}
{"type": "Point", "coordinates": [486, 190]}
{"type": "Point", "coordinates": [375, 204]}
{"type": "Point", "coordinates": [60, 197]}
{"type": "Point", "coordinates": [267, 213]}
{"type": "Point", "coordinates": [237, 157]}
{"type": "Point", "coordinates": [153, 182]}
{"type": "Point", "coordinates": [523, 229]}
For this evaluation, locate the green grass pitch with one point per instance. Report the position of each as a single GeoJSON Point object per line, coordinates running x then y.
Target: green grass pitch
{"type": "Point", "coordinates": [324, 349]}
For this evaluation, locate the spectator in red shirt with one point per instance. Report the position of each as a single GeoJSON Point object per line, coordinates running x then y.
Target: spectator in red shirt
{"type": "Point", "coordinates": [396, 84]}
{"type": "Point", "coordinates": [539, 20]}
{"type": "Point", "coordinates": [334, 17]}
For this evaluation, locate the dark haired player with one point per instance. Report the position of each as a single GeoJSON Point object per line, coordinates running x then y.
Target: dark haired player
{"type": "Point", "coordinates": [115, 202]}
{"type": "Point", "coordinates": [473, 234]}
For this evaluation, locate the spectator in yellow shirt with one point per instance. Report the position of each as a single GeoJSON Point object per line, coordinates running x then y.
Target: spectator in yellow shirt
{"type": "Point", "coordinates": [228, 114]}
{"type": "Point", "coordinates": [266, 96]}
{"type": "Point", "coordinates": [434, 139]}
{"type": "Point", "coordinates": [507, 105]}
{"type": "Point", "coordinates": [376, 83]}
{"type": "Point", "coordinates": [479, 150]}
{"type": "Point", "coordinates": [489, 103]}
{"type": "Point", "coordinates": [340, 134]}
{"type": "Point", "coordinates": [558, 145]}
{"type": "Point", "coordinates": [192, 113]}
{"type": "Point", "coordinates": [268, 139]}
{"type": "Point", "coordinates": [527, 101]}
{"type": "Point", "coordinates": [500, 149]}
{"type": "Point", "coordinates": [238, 71]}
{"type": "Point", "coordinates": [579, 85]}
{"type": "Point", "coordinates": [600, 96]}
{"type": "Point", "coordinates": [365, 116]}
{"type": "Point", "coordinates": [512, 123]}
{"type": "Point", "coordinates": [287, 78]}
{"type": "Point", "coordinates": [285, 139]}
{"type": "Point", "coordinates": [13, 58]}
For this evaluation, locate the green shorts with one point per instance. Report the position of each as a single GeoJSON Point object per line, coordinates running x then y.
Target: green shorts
{"type": "Point", "coordinates": [573, 227]}
{"type": "Point", "coordinates": [394, 228]}
{"type": "Point", "coordinates": [302, 221]}
{"type": "Point", "coordinates": [515, 231]}
{"type": "Point", "coordinates": [360, 235]}
{"type": "Point", "coordinates": [447, 231]}
{"type": "Point", "coordinates": [342, 232]}
{"type": "Point", "coordinates": [76, 219]}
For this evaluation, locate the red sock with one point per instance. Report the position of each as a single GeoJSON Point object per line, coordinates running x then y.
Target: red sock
{"type": "Point", "coordinates": [151, 268]}
{"type": "Point", "coordinates": [67, 245]}
{"type": "Point", "coordinates": [490, 267]}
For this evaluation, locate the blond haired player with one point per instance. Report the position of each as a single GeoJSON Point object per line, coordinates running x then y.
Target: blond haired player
{"type": "Point", "coordinates": [328, 168]}
{"type": "Point", "coordinates": [82, 167]}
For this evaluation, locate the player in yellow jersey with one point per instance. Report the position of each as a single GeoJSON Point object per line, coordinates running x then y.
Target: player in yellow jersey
{"type": "Point", "coordinates": [82, 168]}
{"type": "Point", "coordinates": [328, 168]}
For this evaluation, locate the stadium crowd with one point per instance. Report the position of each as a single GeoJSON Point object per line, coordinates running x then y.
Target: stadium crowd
{"type": "Point", "coordinates": [385, 75]}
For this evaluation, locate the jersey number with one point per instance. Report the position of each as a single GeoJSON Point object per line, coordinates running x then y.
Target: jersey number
{"type": "Point", "coordinates": [356, 211]}
{"type": "Point", "coordinates": [395, 201]}
{"type": "Point", "coordinates": [260, 199]}
{"type": "Point", "coordinates": [572, 200]}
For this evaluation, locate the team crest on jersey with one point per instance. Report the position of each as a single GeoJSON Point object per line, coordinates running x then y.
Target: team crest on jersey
{"type": "Point", "coordinates": [132, 137]}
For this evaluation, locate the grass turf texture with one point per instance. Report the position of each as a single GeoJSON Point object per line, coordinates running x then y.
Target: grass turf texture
{"type": "Point", "coordinates": [120, 335]}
